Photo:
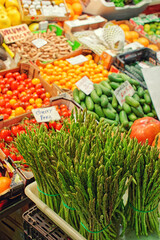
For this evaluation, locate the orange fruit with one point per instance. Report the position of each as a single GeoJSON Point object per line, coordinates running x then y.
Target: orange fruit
{"type": "Point", "coordinates": [77, 8]}
{"type": "Point", "coordinates": [124, 27]}
{"type": "Point", "coordinates": [128, 36]}
{"type": "Point", "coordinates": [75, 17]}
{"type": "Point", "coordinates": [71, 11]}
{"type": "Point", "coordinates": [143, 41]}
{"type": "Point", "coordinates": [19, 111]}
{"type": "Point", "coordinates": [153, 47]}
{"type": "Point", "coordinates": [4, 183]}
{"type": "Point", "coordinates": [134, 35]}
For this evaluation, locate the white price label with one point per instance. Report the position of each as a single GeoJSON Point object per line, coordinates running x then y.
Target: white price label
{"type": "Point", "coordinates": [125, 89]}
{"type": "Point", "coordinates": [77, 60]}
{"type": "Point", "coordinates": [85, 85]}
{"type": "Point", "coordinates": [39, 42]}
{"type": "Point", "coordinates": [143, 65]}
{"type": "Point", "coordinates": [46, 114]}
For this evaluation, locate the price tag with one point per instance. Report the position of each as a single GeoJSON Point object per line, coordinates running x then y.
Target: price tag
{"type": "Point", "coordinates": [152, 79]}
{"type": "Point", "coordinates": [122, 91]}
{"type": "Point", "coordinates": [46, 114]}
{"type": "Point", "coordinates": [143, 65]}
{"type": "Point", "coordinates": [39, 42]}
{"type": "Point", "coordinates": [85, 85]}
{"type": "Point", "coordinates": [77, 60]}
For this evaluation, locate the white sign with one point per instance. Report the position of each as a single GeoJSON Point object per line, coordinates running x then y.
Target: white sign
{"type": "Point", "coordinates": [39, 42]}
{"type": "Point", "coordinates": [152, 79]}
{"type": "Point", "coordinates": [77, 60]}
{"type": "Point", "coordinates": [85, 85]}
{"type": "Point", "coordinates": [143, 65]}
{"type": "Point", "coordinates": [125, 89]}
{"type": "Point", "coordinates": [46, 114]}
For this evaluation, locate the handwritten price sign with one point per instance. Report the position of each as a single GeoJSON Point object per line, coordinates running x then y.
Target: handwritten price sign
{"type": "Point", "coordinates": [122, 91]}
{"type": "Point", "coordinates": [85, 85]}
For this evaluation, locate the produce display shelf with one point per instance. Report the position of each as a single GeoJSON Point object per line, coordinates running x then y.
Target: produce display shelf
{"type": "Point", "coordinates": [32, 192]}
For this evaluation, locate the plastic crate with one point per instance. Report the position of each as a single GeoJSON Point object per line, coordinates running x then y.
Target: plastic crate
{"type": "Point", "coordinates": [38, 226]}
{"type": "Point", "coordinates": [133, 56]}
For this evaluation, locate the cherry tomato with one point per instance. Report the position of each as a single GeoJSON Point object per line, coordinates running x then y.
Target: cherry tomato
{"type": "Point", "coordinates": [52, 124]}
{"type": "Point", "coordinates": [2, 102]}
{"type": "Point", "coordinates": [15, 74]}
{"type": "Point", "coordinates": [63, 106]}
{"type": "Point", "coordinates": [42, 96]}
{"type": "Point", "coordinates": [45, 124]}
{"type": "Point", "coordinates": [2, 145]}
{"type": "Point", "coordinates": [6, 151]}
{"type": "Point", "coordinates": [38, 86]}
{"type": "Point", "coordinates": [8, 111]}
{"type": "Point", "coordinates": [33, 121]}
{"type": "Point", "coordinates": [9, 139]}
{"type": "Point", "coordinates": [16, 105]}
{"type": "Point", "coordinates": [35, 96]}
{"type": "Point", "coordinates": [30, 85]}
{"type": "Point", "coordinates": [65, 114]}
{"type": "Point", "coordinates": [69, 113]}
{"type": "Point", "coordinates": [14, 130]}
{"type": "Point", "coordinates": [14, 85]}
{"type": "Point", "coordinates": [5, 80]}
{"type": "Point", "coordinates": [4, 91]}
{"type": "Point", "coordinates": [13, 156]}
{"type": "Point", "coordinates": [5, 116]}
{"type": "Point", "coordinates": [13, 149]}
{"type": "Point", "coordinates": [10, 80]}
{"type": "Point", "coordinates": [15, 93]}
{"type": "Point", "coordinates": [2, 110]}
{"type": "Point", "coordinates": [8, 75]}
{"type": "Point", "coordinates": [58, 126]}
{"type": "Point", "coordinates": [1, 77]}
{"type": "Point", "coordinates": [24, 75]}
{"type": "Point", "coordinates": [39, 91]}
{"type": "Point", "coordinates": [28, 80]}
{"type": "Point", "coordinates": [8, 105]}
{"type": "Point", "coordinates": [21, 88]}
{"type": "Point", "coordinates": [19, 157]}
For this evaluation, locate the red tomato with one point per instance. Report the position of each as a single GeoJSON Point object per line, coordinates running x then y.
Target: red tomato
{"type": "Point", "coordinates": [52, 124]}
{"type": "Point", "coordinates": [2, 102]}
{"type": "Point", "coordinates": [39, 91]}
{"type": "Point", "coordinates": [45, 124]}
{"type": "Point", "coordinates": [14, 85]}
{"type": "Point", "coordinates": [58, 126]}
{"type": "Point", "coordinates": [9, 139]}
{"type": "Point", "coordinates": [33, 121]}
{"type": "Point", "coordinates": [35, 96]}
{"type": "Point", "coordinates": [69, 113]}
{"type": "Point", "coordinates": [1, 86]}
{"type": "Point", "coordinates": [15, 74]}
{"type": "Point", "coordinates": [15, 93]}
{"type": "Point", "coordinates": [10, 80]}
{"type": "Point", "coordinates": [19, 157]}
{"type": "Point", "coordinates": [5, 90]}
{"type": "Point", "coordinates": [28, 80]}
{"type": "Point", "coordinates": [13, 150]}
{"type": "Point", "coordinates": [63, 106]}
{"type": "Point", "coordinates": [24, 98]}
{"type": "Point", "coordinates": [19, 78]}
{"type": "Point", "coordinates": [5, 80]}
{"type": "Point", "coordinates": [8, 75]}
{"type": "Point", "coordinates": [47, 103]}
{"type": "Point", "coordinates": [21, 88]}
{"type": "Point", "coordinates": [38, 86]}
{"type": "Point", "coordinates": [14, 130]}
{"type": "Point", "coordinates": [21, 126]}
{"type": "Point", "coordinates": [24, 75]}
{"type": "Point", "coordinates": [42, 96]}
{"type": "Point", "coordinates": [6, 151]}
{"type": "Point", "coordinates": [7, 85]}
{"type": "Point", "coordinates": [13, 156]}
{"type": "Point", "coordinates": [145, 128]}
{"type": "Point", "coordinates": [8, 111]}
{"type": "Point", "coordinates": [30, 85]}
{"type": "Point", "coordinates": [1, 77]}
{"type": "Point", "coordinates": [46, 100]}
{"type": "Point", "coordinates": [16, 105]}
{"type": "Point", "coordinates": [65, 113]}
{"type": "Point", "coordinates": [5, 116]}
{"type": "Point", "coordinates": [8, 105]}
{"type": "Point", "coordinates": [32, 89]}
{"type": "Point", "coordinates": [2, 110]}
{"type": "Point", "coordinates": [2, 145]}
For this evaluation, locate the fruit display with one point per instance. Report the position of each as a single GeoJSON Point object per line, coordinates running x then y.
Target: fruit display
{"type": "Point", "coordinates": [20, 94]}
{"type": "Point", "coordinates": [89, 183]}
{"type": "Point", "coordinates": [103, 104]}
{"type": "Point", "coordinates": [69, 74]}
{"type": "Point", "coordinates": [9, 13]}
{"type": "Point", "coordinates": [152, 28]}
{"type": "Point", "coordinates": [122, 3]}
{"type": "Point", "coordinates": [134, 36]}
{"type": "Point", "coordinates": [75, 8]}
{"type": "Point", "coordinates": [53, 47]}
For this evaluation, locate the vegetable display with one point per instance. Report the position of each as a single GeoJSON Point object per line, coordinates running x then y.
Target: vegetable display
{"type": "Point", "coordinates": [103, 104]}
{"type": "Point", "coordinates": [91, 166]}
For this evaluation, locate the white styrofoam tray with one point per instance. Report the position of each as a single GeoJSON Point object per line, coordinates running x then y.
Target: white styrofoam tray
{"type": "Point", "coordinates": [32, 192]}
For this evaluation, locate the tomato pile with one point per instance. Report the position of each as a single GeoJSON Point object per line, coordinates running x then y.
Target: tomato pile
{"type": "Point", "coordinates": [20, 94]}
{"type": "Point", "coordinates": [8, 135]}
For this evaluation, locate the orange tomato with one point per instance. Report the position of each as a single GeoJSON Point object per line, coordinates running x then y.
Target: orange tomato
{"type": "Point", "coordinates": [5, 183]}
{"type": "Point", "coordinates": [12, 101]}
{"type": "Point", "coordinates": [19, 111]}
{"type": "Point", "coordinates": [35, 81]}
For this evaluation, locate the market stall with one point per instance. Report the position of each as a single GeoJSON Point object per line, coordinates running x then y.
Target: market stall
{"type": "Point", "coordinates": [79, 119]}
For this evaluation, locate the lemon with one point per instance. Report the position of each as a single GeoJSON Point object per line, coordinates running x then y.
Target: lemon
{"type": "Point", "coordinates": [33, 27]}
{"type": "Point", "coordinates": [10, 3]}
{"type": "Point", "coordinates": [14, 16]}
{"type": "Point", "coordinates": [5, 22]}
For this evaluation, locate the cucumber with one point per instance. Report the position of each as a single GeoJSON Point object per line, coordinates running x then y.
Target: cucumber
{"type": "Point", "coordinates": [124, 77]}
{"type": "Point", "coordinates": [151, 114]}
{"type": "Point", "coordinates": [83, 105]}
{"type": "Point", "coordinates": [106, 91]}
{"type": "Point", "coordinates": [117, 118]}
{"type": "Point", "coordinates": [114, 77]}
{"type": "Point", "coordinates": [82, 95]}
{"type": "Point", "coordinates": [99, 111]}
{"type": "Point", "coordinates": [114, 102]}
{"type": "Point", "coordinates": [130, 124]}
{"type": "Point", "coordinates": [123, 118]}
{"type": "Point", "coordinates": [111, 108]}
{"type": "Point", "coordinates": [109, 121]}
{"type": "Point", "coordinates": [132, 117]}
{"type": "Point", "coordinates": [136, 97]}
{"type": "Point", "coordinates": [140, 92]}
{"type": "Point", "coordinates": [95, 97]}
{"type": "Point", "coordinates": [94, 114]}
{"type": "Point", "coordinates": [146, 108]}
{"type": "Point", "coordinates": [142, 101]}
{"type": "Point", "coordinates": [110, 99]}
{"type": "Point", "coordinates": [104, 101]}
{"type": "Point", "coordinates": [114, 85]}
{"type": "Point", "coordinates": [137, 112]}
{"type": "Point", "coordinates": [131, 101]}
{"type": "Point", "coordinates": [76, 95]}
{"type": "Point", "coordinates": [119, 108]}
{"type": "Point", "coordinates": [126, 108]}
{"type": "Point", "coordinates": [98, 89]}
{"type": "Point", "coordinates": [147, 98]}
{"type": "Point", "coordinates": [89, 103]}
{"type": "Point", "coordinates": [106, 84]}
{"type": "Point", "coordinates": [109, 113]}
{"type": "Point", "coordinates": [134, 87]}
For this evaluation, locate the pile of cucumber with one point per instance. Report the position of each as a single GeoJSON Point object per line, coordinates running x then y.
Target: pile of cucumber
{"type": "Point", "coordinates": [104, 105]}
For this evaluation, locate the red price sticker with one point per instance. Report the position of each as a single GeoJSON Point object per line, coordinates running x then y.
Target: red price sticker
{"type": "Point", "coordinates": [122, 91]}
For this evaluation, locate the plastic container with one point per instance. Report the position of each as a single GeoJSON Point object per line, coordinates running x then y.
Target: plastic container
{"type": "Point", "coordinates": [143, 54]}
{"type": "Point", "coordinates": [32, 192]}
{"type": "Point", "coordinates": [109, 11]}
{"type": "Point", "coordinates": [38, 226]}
